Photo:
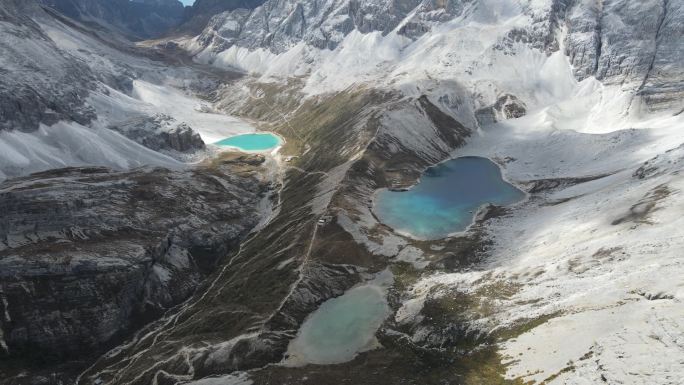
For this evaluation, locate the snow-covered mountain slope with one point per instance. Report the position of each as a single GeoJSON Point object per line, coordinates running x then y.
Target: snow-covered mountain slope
{"type": "Point", "coordinates": [491, 46]}
{"type": "Point", "coordinates": [64, 87]}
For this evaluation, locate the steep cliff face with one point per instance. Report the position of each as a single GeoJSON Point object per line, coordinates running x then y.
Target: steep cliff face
{"type": "Point", "coordinates": [87, 254]}
{"type": "Point", "coordinates": [633, 44]}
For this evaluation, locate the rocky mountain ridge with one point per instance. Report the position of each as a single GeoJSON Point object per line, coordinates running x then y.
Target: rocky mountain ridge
{"type": "Point", "coordinates": [632, 44]}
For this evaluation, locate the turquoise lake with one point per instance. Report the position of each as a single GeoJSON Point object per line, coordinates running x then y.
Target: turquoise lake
{"type": "Point", "coordinates": [446, 198]}
{"type": "Point", "coordinates": [251, 142]}
{"type": "Point", "coordinates": [341, 327]}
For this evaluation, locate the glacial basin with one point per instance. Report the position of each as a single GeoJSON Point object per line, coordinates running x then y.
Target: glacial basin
{"type": "Point", "coordinates": [256, 142]}
{"type": "Point", "coordinates": [342, 327]}
{"type": "Point", "coordinates": [446, 198]}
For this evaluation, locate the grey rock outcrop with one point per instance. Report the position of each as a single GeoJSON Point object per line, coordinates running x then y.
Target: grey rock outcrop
{"type": "Point", "coordinates": [86, 254]}
{"type": "Point", "coordinates": [183, 138]}
{"type": "Point", "coordinates": [163, 133]}
{"type": "Point", "coordinates": [506, 107]}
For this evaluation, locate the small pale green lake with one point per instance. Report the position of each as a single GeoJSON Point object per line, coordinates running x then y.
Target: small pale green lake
{"type": "Point", "coordinates": [342, 327]}
{"type": "Point", "coordinates": [251, 142]}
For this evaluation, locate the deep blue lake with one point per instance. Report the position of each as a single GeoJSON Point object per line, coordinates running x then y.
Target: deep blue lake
{"type": "Point", "coordinates": [251, 142]}
{"type": "Point", "coordinates": [446, 198]}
